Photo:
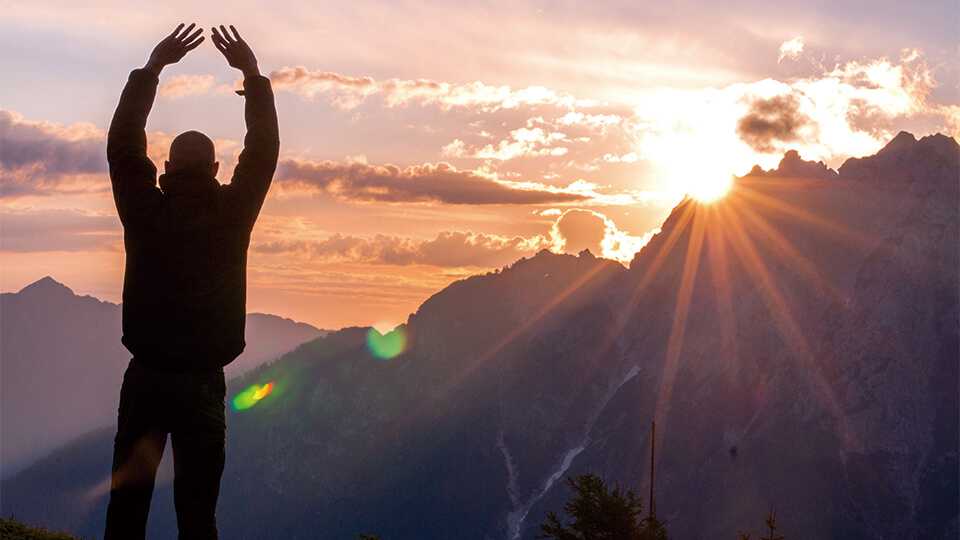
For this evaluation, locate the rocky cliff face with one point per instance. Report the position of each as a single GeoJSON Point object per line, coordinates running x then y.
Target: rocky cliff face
{"type": "Point", "coordinates": [61, 364]}
{"type": "Point", "coordinates": [796, 342]}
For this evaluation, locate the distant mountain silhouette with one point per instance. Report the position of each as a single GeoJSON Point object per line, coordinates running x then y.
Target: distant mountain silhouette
{"type": "Point", "coordinates": [796, 342]}
{"type": "Point", "coordinates": [61, 363]}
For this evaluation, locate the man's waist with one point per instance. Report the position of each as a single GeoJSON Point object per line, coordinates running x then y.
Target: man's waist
{"type": "Point", "coordinates": [175, 364]}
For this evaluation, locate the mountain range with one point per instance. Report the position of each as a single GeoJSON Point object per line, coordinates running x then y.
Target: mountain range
{"type": "Point", "coordinates": [796, 343]}
{"type": "Point", "coordinates": [61, 364]}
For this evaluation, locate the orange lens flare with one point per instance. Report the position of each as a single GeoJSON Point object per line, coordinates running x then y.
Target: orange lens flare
{"type": "Point", "coordinates": [251, 396]}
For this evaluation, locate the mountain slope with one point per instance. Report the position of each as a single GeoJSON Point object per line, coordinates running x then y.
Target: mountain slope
{"type": "Point", "coordinates": [796, 343]}
{"type": "Point", "coordinates": [61, 364]}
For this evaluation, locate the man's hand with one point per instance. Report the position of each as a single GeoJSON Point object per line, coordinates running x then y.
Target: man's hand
{"type": "Point", "coordinates": [236, 51]}
{"type": "Point", "coordinates": [173, 48]}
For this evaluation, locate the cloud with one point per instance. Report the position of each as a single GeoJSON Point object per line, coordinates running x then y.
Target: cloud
{"type": "Point", "coordinates": [43, 158]}
{"type": "Point", "coordinates": [40, 156]}
{"type": "Point", "coordinates": [571, 231]}
{"type": "Point", "coordinates": [57, 230]}
{"type": "Point", "coordinates": [348, 92]}
{"type": "Point", "coordinates": [850, 110]}
{"type": "Point", "coordinates": [522, 142]}
{"type": "Point", "coordinates": [581, 229]}
{"type": "Point", "coordinates": [447, 249]}
{"type": "Point", "coordinates": [578, 229]}
{"type": "Point", "coordinates": [595, 121]}
{"type": "Point", "coordinates": [437, 183]}
{"type": "Point", "coordinates": [791, 49]}
{"type": "Point", "coordinates": [181, 86]}
{"type": "Point", "coordinates": [952, 115]}
{"type": "Point", "coordinates": [773, 119]}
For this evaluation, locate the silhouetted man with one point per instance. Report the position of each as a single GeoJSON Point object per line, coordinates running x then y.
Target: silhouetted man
{"type": "Point", "coordinates": [184, 289]}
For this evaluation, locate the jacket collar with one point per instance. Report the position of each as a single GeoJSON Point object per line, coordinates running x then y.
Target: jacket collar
{"type": "Point", "coordinates": [187, 183]}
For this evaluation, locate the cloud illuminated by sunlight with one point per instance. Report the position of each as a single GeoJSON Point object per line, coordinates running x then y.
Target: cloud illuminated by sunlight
{"type": "Point", "coordinates": [698, 139]}
{"type": "Point", "coordinates": [791, 49]}
{"type": "Point", "coordinates": [180, 86]}
{"type": "Point", "coordinates": [578, 229]}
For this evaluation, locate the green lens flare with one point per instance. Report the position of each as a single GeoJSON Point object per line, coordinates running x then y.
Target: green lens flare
{"type": "Point", "coordinates": [251, 396]}
{"type": "Point", "coordinates": [386, 346]}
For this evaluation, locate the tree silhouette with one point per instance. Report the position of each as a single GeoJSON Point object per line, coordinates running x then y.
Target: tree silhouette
{"type": "Point", "coordinates": [772, 525]}
{"type": "Point", "coordinates": [652, 528]}
{"type": "Point", "coordinates": [597, 512]}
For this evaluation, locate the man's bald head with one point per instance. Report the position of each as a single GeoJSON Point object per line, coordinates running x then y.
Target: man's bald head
{"type": "Point", "coordinates": [194, 151]}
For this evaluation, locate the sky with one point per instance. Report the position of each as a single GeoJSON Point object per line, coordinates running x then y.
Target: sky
{"type": "Point", "coordinates": [423, 142]}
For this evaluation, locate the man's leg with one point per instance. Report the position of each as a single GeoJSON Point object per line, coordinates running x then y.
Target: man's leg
{"type": "Point", "coordinates": [137, 450]}
{"type": "Point", "coordinates": [198, 440]}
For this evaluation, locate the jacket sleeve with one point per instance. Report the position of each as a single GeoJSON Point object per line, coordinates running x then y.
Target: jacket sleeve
{"type": "Point", "coordinates": [132, 174]}
{"type": "Point", "coordinates": [261, 147]}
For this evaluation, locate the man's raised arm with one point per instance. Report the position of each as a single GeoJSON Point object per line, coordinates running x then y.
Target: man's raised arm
{"type": "Point", "coordinates": [261, 146]}
{"type": "Point", "coordinates": [132, 174]}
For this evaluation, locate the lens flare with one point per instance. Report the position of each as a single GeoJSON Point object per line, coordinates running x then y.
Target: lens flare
{"type": "Point", "coordinates": [386, 346]}
{"type": "Point", "coordinates": [251, 396]}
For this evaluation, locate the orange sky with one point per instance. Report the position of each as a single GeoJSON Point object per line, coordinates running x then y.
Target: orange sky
{"type": "Point", "coordinates": [425, 142]}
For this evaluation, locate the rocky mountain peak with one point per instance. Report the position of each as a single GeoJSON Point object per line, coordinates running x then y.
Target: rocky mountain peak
{"type": "Point", "coordinates": [902, 141]}
{"type": "Point", "coordinates": [905, 159]}
{"type": "Point", "coordinates": [793, 166]}
{"type": "Point", "coordinates": [46, 287]}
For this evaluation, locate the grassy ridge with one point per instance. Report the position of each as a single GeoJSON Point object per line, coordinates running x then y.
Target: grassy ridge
{"type": "Point", "coordinates": [14, 530]}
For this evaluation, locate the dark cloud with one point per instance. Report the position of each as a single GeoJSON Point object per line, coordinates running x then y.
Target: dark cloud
{"type": "Point", "coordinates": [447, 249]}
{"type": "Point", "coordinates": [36, 158]}
{"type": "Point", "coordinates": [429, 182]}
{"type": "Point", "coordinates": [777, 119]}
{"type": "Point", "coordinates": [57, 230]}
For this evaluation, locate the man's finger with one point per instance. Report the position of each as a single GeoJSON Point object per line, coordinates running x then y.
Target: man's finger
{"type": "Point", "coordinates": [195, 44]}
{"type": "Point", "coordinates": [193, 36]}
{"type": "Point", "coordinates": [186, 32]}
{"type": "Point", "coordinates": [226, 36]}
{"type": "Point", "coordinates": [176, 30]}
{"type": "Point", "coordinates": [235, 33]}
{"type": "Point", "coordinates": [218, 41]}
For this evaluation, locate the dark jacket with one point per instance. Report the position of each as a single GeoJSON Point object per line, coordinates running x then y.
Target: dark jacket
{"type": "Point", "coordinates": [184, 288]}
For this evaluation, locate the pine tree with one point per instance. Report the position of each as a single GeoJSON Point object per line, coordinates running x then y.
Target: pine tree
{"type": "Point", "coordinates": [598, 513]}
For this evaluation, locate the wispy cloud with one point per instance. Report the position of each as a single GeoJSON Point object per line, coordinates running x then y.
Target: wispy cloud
{"type": "Point", "coordinates": [522, 142]}
{"type": "Point", "coordinates": [426, 183]}
{"type": "Point", "coordinates": [447, 249]}
{"type": "Point", "coordinates": [180, 86]}
{"type": "Point", "coordinates": [348, 92]}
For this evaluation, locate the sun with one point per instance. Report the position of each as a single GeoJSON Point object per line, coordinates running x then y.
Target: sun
{"type": "Point", "coordinates": [700, 181]}
{"type": "Point", "coordinates": [709, 188]}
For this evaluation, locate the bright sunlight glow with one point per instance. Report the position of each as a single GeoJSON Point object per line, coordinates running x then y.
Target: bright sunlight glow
{"type": "Point", "coordinates": [700, 180]}
{"type": "Point", "coordinates": [707, 189]}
